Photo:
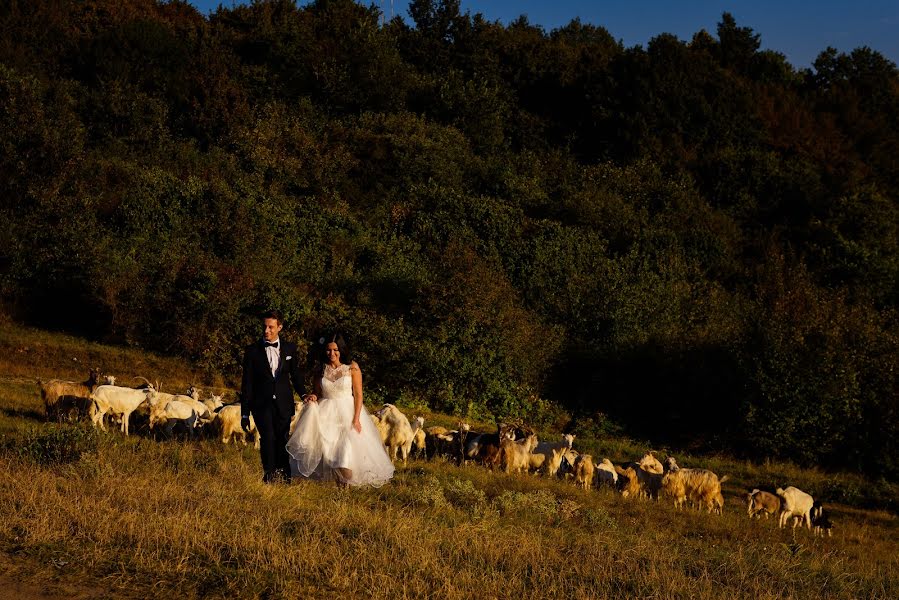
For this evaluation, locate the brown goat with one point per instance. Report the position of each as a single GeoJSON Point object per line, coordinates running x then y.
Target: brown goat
{"type": "Point", "coordinates": [485, 447]}
{"type": "Point", "coordinates": [68, 398]}
{"type": "Point", "coordinates": [583, 471]}
{"type": "Point", "coordinates": [762, 502]}
{"type": "Point", "coordinates": [628, 483]}
{"type": "Point", "coordinates": [700, 486]}
{"type": "Point", "coordinates": [514, 454]}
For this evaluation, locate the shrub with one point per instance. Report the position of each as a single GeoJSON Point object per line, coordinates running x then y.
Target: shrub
{"type": "Point", "coordinates": [462, 494]}
{"type": "Point", "coordinates": [541, 504]}
{"type": "Point", "coordinates": [430, 493]}
{"type": "Point", "coordinates": [598, 518]}
{"type": "Point", "coordinates": [54, 444]}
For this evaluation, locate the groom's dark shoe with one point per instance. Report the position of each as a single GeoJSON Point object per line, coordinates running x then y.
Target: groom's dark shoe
{"type": "Point", "coordinates": [279, 476]}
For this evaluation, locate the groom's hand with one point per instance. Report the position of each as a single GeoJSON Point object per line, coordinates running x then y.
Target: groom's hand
{"type": "Point", "coordinates": [245, 423]}
{"type": "Point", "coordinates": [310, 398]}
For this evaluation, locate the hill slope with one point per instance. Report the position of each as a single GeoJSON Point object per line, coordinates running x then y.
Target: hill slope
{"type": "Point", "coordinates": [139, 517]}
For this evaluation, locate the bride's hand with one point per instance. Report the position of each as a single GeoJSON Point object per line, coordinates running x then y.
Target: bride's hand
{"type": "Point", "coordinates": [357, 425]}
{"type": "Point", "coordinates": [311, 398]}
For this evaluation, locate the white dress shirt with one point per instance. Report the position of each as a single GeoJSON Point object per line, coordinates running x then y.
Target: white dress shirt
{"type": "Point", "coordinates": [274, 355]}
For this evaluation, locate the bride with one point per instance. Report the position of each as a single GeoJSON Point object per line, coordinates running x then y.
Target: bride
{"type": "Point", "coordinates": [335, 438]}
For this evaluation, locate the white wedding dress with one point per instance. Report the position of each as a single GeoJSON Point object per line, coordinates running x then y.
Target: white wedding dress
{"type": "Point", "coordinates": [324, 439]}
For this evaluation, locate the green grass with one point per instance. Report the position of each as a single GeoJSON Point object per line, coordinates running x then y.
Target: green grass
{"type": "Point", "coordinates": [136, 517]}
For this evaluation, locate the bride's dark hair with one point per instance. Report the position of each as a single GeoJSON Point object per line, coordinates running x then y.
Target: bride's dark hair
{"type": "Point", "coordinates": [342, 346]}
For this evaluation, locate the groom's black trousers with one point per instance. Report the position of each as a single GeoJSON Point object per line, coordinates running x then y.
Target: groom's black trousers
{"type": "Point", "coordinates": [274, 430]}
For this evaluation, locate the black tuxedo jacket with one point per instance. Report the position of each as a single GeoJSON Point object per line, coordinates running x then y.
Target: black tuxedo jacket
{"type": "Point", "coordinates": [259, 391]}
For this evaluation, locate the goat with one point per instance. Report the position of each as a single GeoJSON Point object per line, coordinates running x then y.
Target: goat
{"type": "Point", "coordinates": [605, 473]}
{"type": "Point", "coordinates": [418, 438]}
{"type": "Point", "coordinates": [484, 447]}
{"type": "Point", "coordinates": [116, 401]}
{"type": "Point", "coordinates": [68, 397]}
{"type": "Point", "coordinates": [213, 403]}
{"type": "Point", "coordinates": [671, 464]}
{"type": "Point", "coordinates": [396, 432]}
{"type": "Point", "coordinates": [649, 483]}
{"type": "Point", "coordinates": [627, 481]}
{"type": "Point", "coordinates": [566, 465]}
{"type": "Point", "coordinates": [821, 523]}
{"type": "Point", "coordinates": [555, 461]}
{"type": "Point", "coordinates": [651, 464]}
{"type": "Point", "coordinates": [204, 413]}
{"type": "Point", "coordinates": [514, 454]}
{"type": "Point", "coordinates": [795, 502]}
{"type": "Point", "coordinates": [172, 413]}
{"type": "Point", "coordinates": [759, 502]}
{"type": "Point", "coordinates": [228, 418]}
{"type": "Point", "coordinates": [583, 471]}
{"type": "Point", "coordinates": [543, 453]}
{"type": "Point", "coordinates": [446, 442]}
{"type": "Point", "coordinates": [700, 486]}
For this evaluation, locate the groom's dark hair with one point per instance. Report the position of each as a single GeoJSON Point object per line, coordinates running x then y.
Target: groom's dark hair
{"type": "Point", "coordinates": [274, 314]}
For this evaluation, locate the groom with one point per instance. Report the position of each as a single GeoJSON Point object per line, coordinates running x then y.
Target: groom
{"type": "Point", "coordinates": [270, 367]}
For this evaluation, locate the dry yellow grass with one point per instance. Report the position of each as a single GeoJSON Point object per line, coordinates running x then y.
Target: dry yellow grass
{"type": "Point", "coordinates": [139, 518]}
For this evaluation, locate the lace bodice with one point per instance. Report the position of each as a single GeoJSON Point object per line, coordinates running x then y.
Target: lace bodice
{"type": "Point", "coordinates": [336, 382]}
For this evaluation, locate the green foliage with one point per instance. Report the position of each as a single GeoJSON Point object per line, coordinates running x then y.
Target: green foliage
{"type": "Point", "coordinates": [690, 242]}
{"type": "Point", "coordinates": [599, 519]}
{"type": "Point", "coordinates": [53, 444]}
{"type": "Point", "coordinates": [539, 506]}
{"type": "Point", "coordinates": [458, 493]}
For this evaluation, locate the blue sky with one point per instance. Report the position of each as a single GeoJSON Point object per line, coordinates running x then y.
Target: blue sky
{"type": "Point", "coordinates": [800, 30]}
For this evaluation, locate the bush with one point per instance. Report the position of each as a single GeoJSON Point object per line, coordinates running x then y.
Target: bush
{"type": "Point", "coordinates": [462, 494]}
{"type": "Point", "coordinates": [599, 519]}
{"type": "Point", "coordinates": [540, 504]}
{"type": "Point", "coordinates": [54, 444]}
{"type": "Point", "coordinates": [430, 493]}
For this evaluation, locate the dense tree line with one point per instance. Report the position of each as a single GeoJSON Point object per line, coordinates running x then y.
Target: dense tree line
{"type": "Point", "coordinates": [692, 241]}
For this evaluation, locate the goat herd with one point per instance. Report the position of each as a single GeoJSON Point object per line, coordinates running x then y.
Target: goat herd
{"type": "Point", "coordinates": [513, 448]}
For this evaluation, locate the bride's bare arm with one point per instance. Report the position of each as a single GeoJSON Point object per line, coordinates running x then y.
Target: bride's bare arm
{"type": "Point", "coordinates": [356, 374]}
{"type": "Point", "coordinates": [316, 389]}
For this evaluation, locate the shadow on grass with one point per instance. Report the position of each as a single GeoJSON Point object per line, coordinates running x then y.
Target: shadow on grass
{"type": "Point", "coordinates": [23, 413]}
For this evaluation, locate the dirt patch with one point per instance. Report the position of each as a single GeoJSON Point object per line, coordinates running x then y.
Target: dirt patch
{"type": "Point", "coordinates": [23, 579]}
{"type": "Point", "coordinates": [21, 590]}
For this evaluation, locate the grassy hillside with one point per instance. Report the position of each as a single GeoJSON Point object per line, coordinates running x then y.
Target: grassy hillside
{"type": "Point", "coordinates": [141, 518]}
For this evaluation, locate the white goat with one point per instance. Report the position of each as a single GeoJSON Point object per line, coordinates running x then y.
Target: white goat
{"type": "Point", "coordinates": [583, 471]}
{"type": "Point", "coordinates": [396, 432]}
{"type": "Point", "coordinates": [605, 473]}
{"type": "Point", "coordinates": [542, 455]}
{"type": "Point", "coordinates": [228, 418]}
{"type": "Point", "coordinates": [117, 401]}
{"type": "Point", "coordinates": [795, 502]}
{"type": "Point", "coordinates": [172, 413]}
{"type": "Point", "coordinates": [418, 438]}
{"type": "Point", "coordinates": [193, 399]}
{"type": "Point", "coordinates": [213, 403]}
{"type": "Point", "coordinates": [651, 464]}
{"type": "Point", "coordinates": [514, 454]}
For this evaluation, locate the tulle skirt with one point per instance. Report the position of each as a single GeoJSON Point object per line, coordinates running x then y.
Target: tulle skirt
{"type": "Point", "coordinates": [324, 445]}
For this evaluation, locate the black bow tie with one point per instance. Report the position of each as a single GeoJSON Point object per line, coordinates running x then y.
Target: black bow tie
{"type": "Point", "coordinates": [272, 344]}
